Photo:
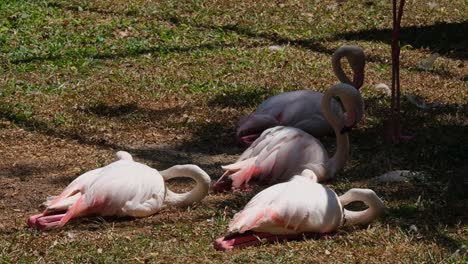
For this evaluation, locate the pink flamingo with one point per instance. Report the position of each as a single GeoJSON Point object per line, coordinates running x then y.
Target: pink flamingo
{"type": "Point", "coordinates": [297, 209]}
{"type": "Point", "coordinates": [122, 188]}
{"type": "Point", "coordinates": [301, 109]}
{"type": "Point", "coordinates": [281, 152]}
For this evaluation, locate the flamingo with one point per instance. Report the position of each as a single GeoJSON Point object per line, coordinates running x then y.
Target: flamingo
{"type": "Point", "coordinates": [297, 209]}
{"type": "Point", "coordinates": [122, 188]}
{"type": "Point", "coordinates": [301, 109]}
{"type": "Point", "coordinates": [282, 152]}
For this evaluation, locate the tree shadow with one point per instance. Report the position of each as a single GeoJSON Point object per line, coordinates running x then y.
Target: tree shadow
{"type": "Point", "coordinates": [240, 98]}
{"type": "Point", "coordinates": [25, 170]}
{"type": "Point", "coordinates": [32, 124]}
{"type": "Point", "coordinates": [132, 110]}
{"type": "Point", "coordinates": [448, 39]}
{"type": "Point", "coordinates": [161, 49]}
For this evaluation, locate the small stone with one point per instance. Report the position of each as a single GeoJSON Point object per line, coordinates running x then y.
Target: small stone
{"type": "Point", "coordinates": [327, 252]}
{"type": "Point", "coordinates": [413, 228]}
{"type": "Point", "coordinates": [393, 176]}
{"type": "Point", "coordinates": [71, 235]}
{"type": "Point", "coordinates": [99, 250]}
{"type": "Point", "coordinates": [276, 48]}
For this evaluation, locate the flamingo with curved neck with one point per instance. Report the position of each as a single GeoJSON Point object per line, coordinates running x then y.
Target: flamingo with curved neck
{"type": "Point", "coordinates": [282, 152]}
{"type": "Point", "coordinates": [297, 209]}
{"type": "Point", "coordinates": [122, 188]}
{"type": "Point", "coordinates": [301, 109]}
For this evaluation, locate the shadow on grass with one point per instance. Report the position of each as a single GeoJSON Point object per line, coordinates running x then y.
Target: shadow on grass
{"type": "Point", "coordinates": [24, 171]}
{"type": "Point", "coordinates": [240, 98]}
{"type": "Point", "coordinates": [127, 53]}
{"type": "Point", "coordinates": [133, 111]}
{"type": "Point", "coordinates": [448, 39]}
{"type": "Point", "coordinates": [31, 124]}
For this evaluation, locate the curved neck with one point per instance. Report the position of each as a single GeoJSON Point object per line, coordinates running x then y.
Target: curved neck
{"type": "Point", "coordinates": [337, 68]}
{"type": "Point", "coordinates": [338, 160]}
{"type": "Point", "coordinates": [356, 58]}
{"type": "Point", "coordinates": [202, 184]}
{"type": "Point", "coordinates": [366, 196]}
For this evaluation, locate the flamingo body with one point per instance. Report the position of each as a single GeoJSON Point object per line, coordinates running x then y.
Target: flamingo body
{"type": "Point", "coordinates": [297, 206]}
{"type": "Point", "coordinates": [291, 209]}
{"type": "Point", "coordinates": [301, 109]}
{"type": "Point", "coordinates": [276, 155]}
{"type": "Point", "coordinates": [282, 152]}
{"type": "Point", "coordinates": [122, 188]}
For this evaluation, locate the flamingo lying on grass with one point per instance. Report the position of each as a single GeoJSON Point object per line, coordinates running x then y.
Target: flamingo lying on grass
{"type": "Point", "coordinates": [122, 188]}
{"type": "Point", "coordinates": [297, 209]}
{"type": "Point", "coordinates": [301, 109]}
{"type": "Point", "coordinates": [282, 152]}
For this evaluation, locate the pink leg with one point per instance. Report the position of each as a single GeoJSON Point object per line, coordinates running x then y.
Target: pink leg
{"type": "Point", "coordinates": [33, 219]}
{"type": "Point", "coordinates": [394, 133]}
{"type": "Point", "coordinates": [247, 239]}
{"type": "Point", "coordinates": [49, 221]}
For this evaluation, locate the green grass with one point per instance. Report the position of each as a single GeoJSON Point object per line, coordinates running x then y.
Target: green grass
{"type": "Point", "coordinates": [168, 80]}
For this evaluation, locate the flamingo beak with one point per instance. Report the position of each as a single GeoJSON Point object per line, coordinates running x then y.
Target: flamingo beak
{"type": "Point", "coordinates": [350, 122]}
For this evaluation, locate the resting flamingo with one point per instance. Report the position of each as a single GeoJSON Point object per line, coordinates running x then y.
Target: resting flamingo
{"type": "Point", "coordinates": [301, 109]}
{"type": "Point", "coordinates": [297, 209]}
{"type": "Point", "coordinates": [122, 188]}
{"type": "Point", "coordinates": [282, 152]}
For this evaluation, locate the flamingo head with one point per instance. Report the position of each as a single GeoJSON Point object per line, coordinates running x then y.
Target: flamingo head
{"type": "Point", "coordinates": [354, 105]}
{"type": "Point", "coordinates": [357, 62]}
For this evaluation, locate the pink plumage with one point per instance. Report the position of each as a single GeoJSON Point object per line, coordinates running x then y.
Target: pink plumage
{"type": "Point", "coordinates": [295, 208]}
{"type": "Point", "coordinates": [282, 152]}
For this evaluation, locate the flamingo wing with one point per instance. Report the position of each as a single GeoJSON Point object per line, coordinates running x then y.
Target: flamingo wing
{"type": "Point", "coordinates": [297, 206]}
{"type": "Point", "coordinates": [276, 156]}
{"type": "Point", "coordinates": [127, 188]}
{"type": "Point", "coordinates": [273, 210]}
{"type": "Point", "coordinates": [299, 109]}
{"type": "Point", "coordinates": [123, 187]}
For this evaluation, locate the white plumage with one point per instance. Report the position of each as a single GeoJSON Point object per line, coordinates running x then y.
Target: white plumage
{"type": "Point", "coordinates": [297, 207]}
{"type": "Point", "coordinates": [122, 188]}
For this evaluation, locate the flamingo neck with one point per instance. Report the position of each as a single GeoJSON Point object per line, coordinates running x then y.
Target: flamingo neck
{"type": "Point", "coordinates": [356, 59]}
{"type": "Point", "coordinates": [366, 216]}
{"type": "Point", "coordinates": [337, 67]}
{"type": "Point", "coordinates": [338, 160]}
{"type": "Point", "coordinates": [202, 184]}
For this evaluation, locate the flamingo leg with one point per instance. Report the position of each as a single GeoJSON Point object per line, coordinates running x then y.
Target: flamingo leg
{"type": "Point", "coordinates": [48, 222]}
{"type": "Point", "coordinates": [394, 131]}
{"type": "Point", "coordinates": [51, 219]}
{"type": "Point", "coordinates": [248, 239]}
{"type": "Point", "coordinates": [32, 220]}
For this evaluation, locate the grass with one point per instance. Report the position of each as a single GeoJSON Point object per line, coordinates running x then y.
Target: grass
{"type": "Point", "coordinates": [167, 81]}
